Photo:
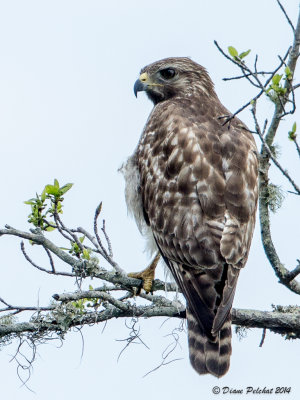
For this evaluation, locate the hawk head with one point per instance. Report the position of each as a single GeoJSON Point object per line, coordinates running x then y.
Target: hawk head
{"type": "Point", "coordinates": [174, 77]}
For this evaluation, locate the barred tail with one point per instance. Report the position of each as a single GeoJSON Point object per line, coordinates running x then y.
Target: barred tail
{"type": "Point", "coordinates": [209, 355]}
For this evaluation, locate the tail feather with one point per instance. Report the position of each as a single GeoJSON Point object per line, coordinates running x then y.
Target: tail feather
{"type": "Point", "coordinates": [209, 294]}
{"type": "Point", "coordinates": [209, 355]}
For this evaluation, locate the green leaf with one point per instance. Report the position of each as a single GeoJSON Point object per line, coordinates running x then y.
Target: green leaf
{"type": "Point", "coordinates": [65, 188]}
{"type": "Point", "coordinates": [81, 239]}
{"type": "Point", "coordinates": [91, 287]}
{"type": "Point", "coordinates": [288, 73]}
{"type": "Point", "coordinates": [244, 54]}
{"type": "Point", "coordinates": [292, 134]}
{"type": "Point", "coordinates": [43, 195]}
{"type": "Point", "coordinates": [233, 51]}
{"type": "Point", "coordinates": [276, 79]}
{"type": "Point", "coordinates": [50, 189]}
{"type": "Point", "coordinates": [50, 229]}
{"type": "Point", "coordinates": [56, 184]}
{"type": "Point", "coordinates": [86, 254]}
{"type": "Point", "coordinates": [58, 207]}
{"type": "Point", "coordinates": [30, 202]}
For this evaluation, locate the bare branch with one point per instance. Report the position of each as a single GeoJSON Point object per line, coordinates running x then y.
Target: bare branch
{"type": "Point", "coordinates": [297, 146]}
{"type": "Point", "coordinates": [102, 251]}
{"type": "Point", "coordinates": [286, 16]}
{"type": "Point", "coordinates": [284, 322]}
{"type": "Point", "coordinates": [51, 260]}
{"type": "Point", "coordinates": [37, 237]}
{"type": "Point", "coordinates": [267, 148]}
{"type": "Point", "coordinates": [247, 72]}
{"type": "Point", "coordinates": [110, 252]}
{"type": "Point", "coordinates": [263, 337]}
{"type": "Point", "coordinates": [62, 228]}
{"type": "Point", "coordinates": [41, 268]}
{"type": "Point", "coordinates": [97, 213]}
{"type": "Point", "coordinates": [281, 272]}
{"type": "Point", "coordinates": [246, 75]}
{"type": "Point", "coordinates": [10, 307]}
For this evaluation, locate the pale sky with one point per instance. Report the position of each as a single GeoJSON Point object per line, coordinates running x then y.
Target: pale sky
{"type": "Point", "coordinates": [67, 111]}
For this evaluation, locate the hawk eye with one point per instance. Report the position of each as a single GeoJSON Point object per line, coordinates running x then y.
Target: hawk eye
{"type": "Point", "coordinates": [167, 73]}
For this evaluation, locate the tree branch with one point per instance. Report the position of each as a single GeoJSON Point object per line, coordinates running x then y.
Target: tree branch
{"type": "Point", "coordinates": [281, 272]}
{"type": "Point", "coordinates": [286, 16]}
{"type": "Point", "coordinates": [285, 322]}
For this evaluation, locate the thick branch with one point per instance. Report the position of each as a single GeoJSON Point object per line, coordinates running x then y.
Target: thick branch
{"type": "Point", "coordinates": [281, 272]}
{"type": "Point", "coordinates": [282, 322]}
{"type": "Point", "coordinates": [279, 322]}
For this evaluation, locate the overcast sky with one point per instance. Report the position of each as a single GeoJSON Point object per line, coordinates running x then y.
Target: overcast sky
{"type": "Point", "coordinates": [67, 111]}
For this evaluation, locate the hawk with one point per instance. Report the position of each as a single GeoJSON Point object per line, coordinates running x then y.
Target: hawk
{"type": "Point", "coordinates": [191, 185]}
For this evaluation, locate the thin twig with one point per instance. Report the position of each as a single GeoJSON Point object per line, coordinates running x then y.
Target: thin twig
{"type": "Point", "coordinates": [246, 75]}
{"type": "Point", "coordinates": [286, 16]}
{"type": "Point", "coordinates": [297, 146]}
{"type": "Point", "coordinates": [283, 171]}
{"type": "Point", "coordinates": [255, 74]}
{"type": "Point", "coordinates": [41, 268]}
{"type": "Point", "coordinates": [50, 259]}
{"type": "Point", "coordinates": [92, 240]}
{"type": "Point", "coordinates": [4, 302]}
{"type": "Point", "coordinates": [263, 337]}
{"type": "Point", "coordinates": [101, 250]}
{"type": "Point", "coordinates": [61, 227]}
{"type": "Point", "coordinates": [110, 252]}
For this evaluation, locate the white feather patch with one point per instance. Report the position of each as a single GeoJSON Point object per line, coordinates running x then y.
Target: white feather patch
{"type": "Point", "coordinates": [135, 209]}
{"type": "Point", "coordinates": [134, 202]}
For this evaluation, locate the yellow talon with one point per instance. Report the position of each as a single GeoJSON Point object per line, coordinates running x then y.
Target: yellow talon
{"type": "Point", "coordinates": [147, 275]}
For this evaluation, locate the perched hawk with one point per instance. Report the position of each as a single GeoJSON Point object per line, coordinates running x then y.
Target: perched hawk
{"type": "Point", "coordinates": [191, 185]}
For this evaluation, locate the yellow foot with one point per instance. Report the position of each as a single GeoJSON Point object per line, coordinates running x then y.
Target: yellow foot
{"type": "Point", "coordinates": [147, 275]}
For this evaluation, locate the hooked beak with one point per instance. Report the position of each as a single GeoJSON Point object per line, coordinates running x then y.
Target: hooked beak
{"type": "Point", "coordinates": [141, 84]}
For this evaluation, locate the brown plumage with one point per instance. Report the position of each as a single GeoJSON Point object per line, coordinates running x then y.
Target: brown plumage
{"type": "Point", "coordinates": [192, 187]}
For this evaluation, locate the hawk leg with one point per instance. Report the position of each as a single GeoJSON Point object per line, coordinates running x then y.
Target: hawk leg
{"type": "Point", "coordinates": [147, 275]}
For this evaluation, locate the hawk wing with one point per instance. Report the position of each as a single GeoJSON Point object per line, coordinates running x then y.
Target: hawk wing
{"type": "Point", "coordinates": [198, 183]}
